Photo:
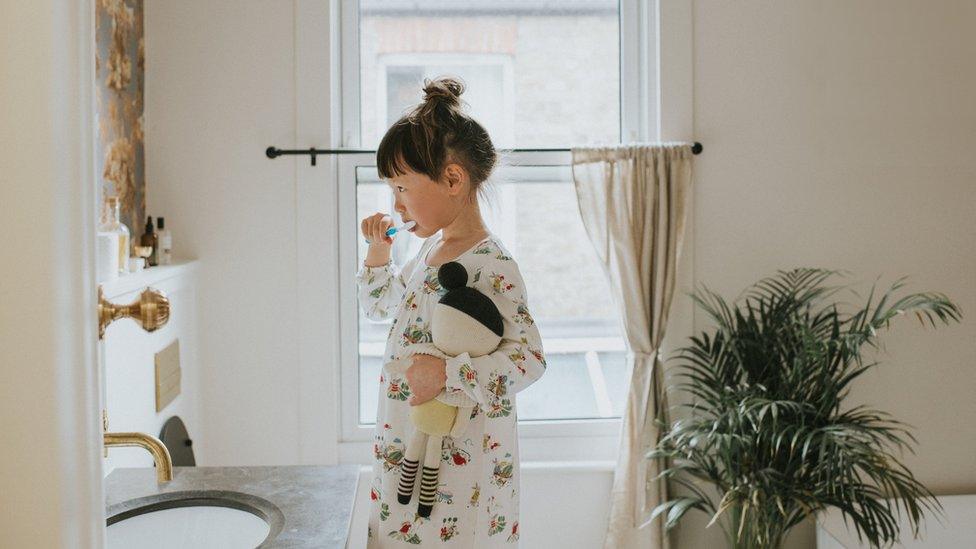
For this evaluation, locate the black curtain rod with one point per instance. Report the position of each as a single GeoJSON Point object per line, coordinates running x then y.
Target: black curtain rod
{"type": "Point", "coordinates": [274, 152]}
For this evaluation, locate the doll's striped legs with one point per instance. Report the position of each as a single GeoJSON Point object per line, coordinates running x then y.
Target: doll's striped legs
{"type": "Point", "coordinates": [431, 468]}
{"type": "Point", "coordinates": [408, 468]}
{"type": "Point", "coordinates": [428, 482]}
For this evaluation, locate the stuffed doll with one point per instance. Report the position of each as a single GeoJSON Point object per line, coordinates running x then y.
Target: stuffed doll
{"type": "Point", "coordinates": [463, 321]}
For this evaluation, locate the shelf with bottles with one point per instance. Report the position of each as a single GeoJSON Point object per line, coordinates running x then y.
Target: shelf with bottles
{"type": "Point", "coordinates": [135, 282]}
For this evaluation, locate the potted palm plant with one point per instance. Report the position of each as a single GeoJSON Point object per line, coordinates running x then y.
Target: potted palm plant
{"type": "Point", "coordinates": [767, 441]}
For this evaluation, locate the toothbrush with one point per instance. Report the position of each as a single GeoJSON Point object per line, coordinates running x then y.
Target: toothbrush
{"type": "Point", "coordinates": [393, 230]}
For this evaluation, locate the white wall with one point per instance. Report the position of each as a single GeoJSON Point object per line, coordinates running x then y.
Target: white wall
{"type": "Point", "coordinates": [220, 88]}
{"type": "Point", "coordinates": [835, 135]}
{"type": "Point", "coordinates": [838, 134]}
{"type": "Point", "coordinates": [50, 493]}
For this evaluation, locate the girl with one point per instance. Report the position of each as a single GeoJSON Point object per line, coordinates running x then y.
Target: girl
{"type": "Point", "coordinates": [436, 159]}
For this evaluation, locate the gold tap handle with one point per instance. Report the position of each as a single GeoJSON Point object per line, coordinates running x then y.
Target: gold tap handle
{"type": "Point", "coordinates": [151, 311]}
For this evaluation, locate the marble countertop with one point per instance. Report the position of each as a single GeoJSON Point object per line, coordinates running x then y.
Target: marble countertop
{"type": "Point", "coordinates": [306, 506]}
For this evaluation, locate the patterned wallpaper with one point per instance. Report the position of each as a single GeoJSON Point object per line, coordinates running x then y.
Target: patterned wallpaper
{"type": "Point", "coordinates": [120, 77]}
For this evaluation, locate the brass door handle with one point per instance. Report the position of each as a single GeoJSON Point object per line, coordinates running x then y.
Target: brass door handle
{"type": "Point", "coordinates": [151, 311]}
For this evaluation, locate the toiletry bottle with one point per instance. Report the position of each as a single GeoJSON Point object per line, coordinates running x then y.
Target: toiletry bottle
{"type": "Point", "coordinates": [165, 242]}
{"type": "Point", "coordinates": [149, 238]}
{"type": "Point", "coordinates": [106, 256]}
{"type": "Point", "coordinates": [112, 223]}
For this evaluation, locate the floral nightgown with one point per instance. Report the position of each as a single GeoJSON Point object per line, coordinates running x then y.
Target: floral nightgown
{"type": "Point", "coordinates": [477, 500]}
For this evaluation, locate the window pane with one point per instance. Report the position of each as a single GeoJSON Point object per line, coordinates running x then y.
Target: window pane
{"type": "Point", "coordinates": [533, 210]}
{"type": "Point", "coordinates": [538, 74]}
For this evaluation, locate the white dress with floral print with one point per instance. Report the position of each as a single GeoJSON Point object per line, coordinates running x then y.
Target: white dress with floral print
{"type": "Point", "coordinates": [477, 501]}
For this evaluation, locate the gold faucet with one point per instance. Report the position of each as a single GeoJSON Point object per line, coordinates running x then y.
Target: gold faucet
{"type": "Point", "coordinates": [164, 464]}
{"type": "Point", "coordinates": [160, 454]}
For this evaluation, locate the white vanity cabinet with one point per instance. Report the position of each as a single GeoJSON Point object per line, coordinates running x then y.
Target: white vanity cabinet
{"type": "Point", "coordinates": [127, 360]}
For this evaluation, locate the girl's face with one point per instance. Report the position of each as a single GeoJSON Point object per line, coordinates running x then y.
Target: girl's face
{"type": "Point", "coordinates": [432, 205]}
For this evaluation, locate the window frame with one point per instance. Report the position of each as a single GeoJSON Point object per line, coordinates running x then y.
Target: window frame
{"type": "Point", "coordinates": [440, 58]}
{"type": "Point", "coordinates": [637, 84]}
{"type": "Point", "coordinates": [540, 439]}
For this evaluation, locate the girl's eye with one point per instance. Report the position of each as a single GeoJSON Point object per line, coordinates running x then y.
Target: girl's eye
{"type": "Point", "coordinates": [399, 188]}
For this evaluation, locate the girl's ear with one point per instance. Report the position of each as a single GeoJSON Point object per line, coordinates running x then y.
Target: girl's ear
{"type": "Point", "coordinates": [455, 176]}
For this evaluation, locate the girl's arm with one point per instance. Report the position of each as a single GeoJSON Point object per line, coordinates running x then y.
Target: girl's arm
{"type": "Point", "coordinates": [518, 361]}
{"type": "Point", "coordinates": [381, 288]}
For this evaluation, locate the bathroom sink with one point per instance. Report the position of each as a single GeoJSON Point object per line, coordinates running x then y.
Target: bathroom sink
{"type": "Point", "coordinates": [191, 522]}
{"type": "Point", "coordinates": [306, 506]}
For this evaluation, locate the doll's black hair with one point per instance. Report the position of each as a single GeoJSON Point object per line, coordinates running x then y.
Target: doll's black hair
{"type": "Point", "coordinates": [454, 277]}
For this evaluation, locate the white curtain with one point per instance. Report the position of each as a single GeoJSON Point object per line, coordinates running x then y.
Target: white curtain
{"type": "Point", "coordinates": [632, 199]}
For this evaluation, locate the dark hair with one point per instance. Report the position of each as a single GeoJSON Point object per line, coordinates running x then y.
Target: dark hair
{"type": "Point", "coordinates": [435, 133]}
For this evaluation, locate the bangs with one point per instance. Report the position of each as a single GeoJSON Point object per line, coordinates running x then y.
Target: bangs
{"type": "Point", "coordinates": [398, 153]}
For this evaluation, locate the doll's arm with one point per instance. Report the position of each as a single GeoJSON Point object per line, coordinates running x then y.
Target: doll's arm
{"type": "Point", "coordinates": [398, 366]}
{"type": "Point", "coordinates": [402, 364]}
{"type": "Point", "coordinates": [517, 362]}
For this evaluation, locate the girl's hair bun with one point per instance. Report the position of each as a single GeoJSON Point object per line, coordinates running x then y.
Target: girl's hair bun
{"type": "Point", "coordinates": [435, 132]}
{"type": "Point", "coordinates": [443, 89]}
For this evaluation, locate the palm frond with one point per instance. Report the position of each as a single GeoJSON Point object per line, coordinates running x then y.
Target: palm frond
{"type": "Point", "coordinates": [766, 424]}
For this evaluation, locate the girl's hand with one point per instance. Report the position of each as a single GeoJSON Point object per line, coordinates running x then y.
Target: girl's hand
{"type": "Point", "coordinates": [374, 228]}
{"type": "Point", "coordinates": [427, 376]}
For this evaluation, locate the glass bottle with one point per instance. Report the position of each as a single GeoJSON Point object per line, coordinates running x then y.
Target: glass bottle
{"type": "Point", "coordinates": [112, 223]}
{"type": "Point", "coordinates": [150, 239]}
{"type": "Point", "coordinates": [165, 239]}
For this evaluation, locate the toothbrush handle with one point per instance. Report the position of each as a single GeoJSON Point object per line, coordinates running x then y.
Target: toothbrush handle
{"type": "Point", "coordinates": [389, 232]}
